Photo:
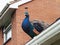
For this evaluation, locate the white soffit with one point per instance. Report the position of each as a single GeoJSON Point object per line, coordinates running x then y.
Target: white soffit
{"type": "Point", "coordinates": [15, 5]}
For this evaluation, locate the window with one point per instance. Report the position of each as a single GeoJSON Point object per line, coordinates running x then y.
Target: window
{"type": "Point", "coordinates": [7, 33]}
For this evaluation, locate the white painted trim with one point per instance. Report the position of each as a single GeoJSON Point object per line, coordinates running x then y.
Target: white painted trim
{"type": "Point", "coordinates": [15, 5]}
{"type": "Point", "coordinates": [49, 32]}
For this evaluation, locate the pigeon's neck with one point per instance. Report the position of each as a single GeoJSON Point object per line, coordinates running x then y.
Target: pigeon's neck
{"type": "Point", "coordinates": [27, 16]}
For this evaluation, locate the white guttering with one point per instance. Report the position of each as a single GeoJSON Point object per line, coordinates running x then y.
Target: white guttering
{"type": "Point", "coordinates": [46, 34]}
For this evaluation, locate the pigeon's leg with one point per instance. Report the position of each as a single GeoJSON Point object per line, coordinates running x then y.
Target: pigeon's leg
{"type": "Point", "coordinates": [35, 31]}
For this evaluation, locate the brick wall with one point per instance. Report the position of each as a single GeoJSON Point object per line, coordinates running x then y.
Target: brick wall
{"type": "Point", "coordinates": [1, 37]}
{"type": "Point", "coordinates": [46, 10]}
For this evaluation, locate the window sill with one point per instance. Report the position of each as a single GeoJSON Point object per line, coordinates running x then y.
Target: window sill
{"type": "Point", "coordinates": [7, 41]}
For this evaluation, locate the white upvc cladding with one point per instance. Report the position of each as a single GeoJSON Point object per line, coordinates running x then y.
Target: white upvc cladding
{"type": "Point", "coordinates": [45, 35]}
{"type": "Point", "coordinates": [15, 5]}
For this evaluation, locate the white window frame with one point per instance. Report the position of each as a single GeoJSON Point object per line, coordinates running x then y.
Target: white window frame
{"type": "Point", "coordinates": [7, 33]}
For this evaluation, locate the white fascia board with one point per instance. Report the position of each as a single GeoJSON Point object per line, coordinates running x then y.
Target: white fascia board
{"type": "Point", "coordinates": [15, 5]}
{"type": "Point", "coordinates": [49, 32]}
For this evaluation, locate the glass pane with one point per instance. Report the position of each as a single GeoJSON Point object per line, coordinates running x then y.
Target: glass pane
{"type": "Point", "coordinates": [8, 34]}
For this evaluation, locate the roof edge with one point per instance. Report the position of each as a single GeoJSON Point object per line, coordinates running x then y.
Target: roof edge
{"type": "Point", "coordinates": [15, 5]}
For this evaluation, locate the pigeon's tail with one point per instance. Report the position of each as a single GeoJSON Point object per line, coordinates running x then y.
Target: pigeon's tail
{"type": "Point", "coordinates": [39, 25]}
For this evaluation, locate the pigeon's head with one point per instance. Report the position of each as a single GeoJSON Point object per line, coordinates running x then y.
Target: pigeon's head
{"type": "Point", "coordinates": [26, 12]}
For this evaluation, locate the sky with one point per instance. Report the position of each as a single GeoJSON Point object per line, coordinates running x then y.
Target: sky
{"type": "Point", "coordinates": [3, 3]}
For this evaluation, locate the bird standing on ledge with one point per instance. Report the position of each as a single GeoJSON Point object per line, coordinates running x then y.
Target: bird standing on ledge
{"type": "Point", "coordinates": [28, 27]}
